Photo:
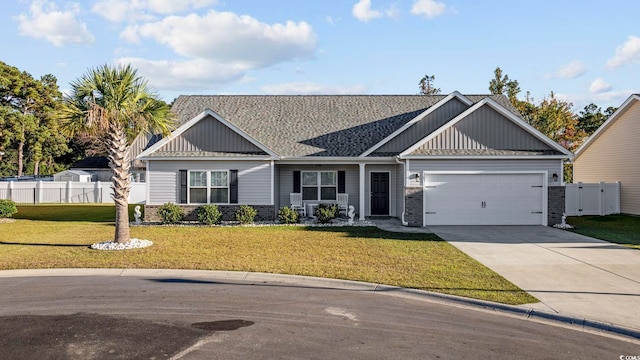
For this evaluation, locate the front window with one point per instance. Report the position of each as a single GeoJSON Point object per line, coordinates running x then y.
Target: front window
{"type": "Point", "coordinates": [319, 185]}
{"type": "Point", "coordinates": [211, 185]}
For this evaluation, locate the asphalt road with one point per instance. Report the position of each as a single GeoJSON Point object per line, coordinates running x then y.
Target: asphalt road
{"type": "Point", "coordinates": [138, 317]}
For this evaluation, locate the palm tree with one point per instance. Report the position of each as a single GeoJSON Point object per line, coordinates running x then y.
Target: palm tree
{"type": "Point", "coordinates": [115, 104]}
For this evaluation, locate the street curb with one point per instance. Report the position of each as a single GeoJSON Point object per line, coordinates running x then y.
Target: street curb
{"type": "Point", "coordinates": [350, 285]}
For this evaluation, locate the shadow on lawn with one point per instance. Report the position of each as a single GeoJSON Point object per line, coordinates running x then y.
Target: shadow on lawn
{"type": "Point", "coordinates": [43, 244]}
{"type": "Point", "coordinates": [373, 232]}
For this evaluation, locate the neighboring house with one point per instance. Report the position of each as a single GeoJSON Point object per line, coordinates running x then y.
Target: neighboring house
{"type": "Point", "coordinates": [97, 166]}
{"type": "Point", "coordinates": [72, 175]}
{"type": "Point", "coordinates": [611, 154]}
{"type": "Point", "coordinates": [428, 160]}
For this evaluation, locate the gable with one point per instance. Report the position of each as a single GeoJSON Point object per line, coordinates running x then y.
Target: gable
{"type": "Point", "coordinates": [486, 129]}
{"type": "Point", "coordinates": [423, 127]}
{"type": "Point", "coordinates": [619, 133]}
{"type": "Point", "coordinates": [209, 135]}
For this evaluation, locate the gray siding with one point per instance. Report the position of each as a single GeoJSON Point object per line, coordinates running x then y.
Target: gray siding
{"type": "Point", "coordinates": [285, 181]}
{"type": "Point", "coordinates": [209, 134]}
{"type": "Point", "coordinates": [485, 128]}
{"type": "Point", "coordinates": [424, 127]}
{"type": "Point", "coordinates": [254, 179]}
{"type": "Point", "coordinates": [551, 165]}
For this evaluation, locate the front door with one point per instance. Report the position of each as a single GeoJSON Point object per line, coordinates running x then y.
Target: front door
{"type": "Point", "coordinates": [379, 193]}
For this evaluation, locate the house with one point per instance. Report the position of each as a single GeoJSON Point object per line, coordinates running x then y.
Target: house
{"type": "Point", "coordinates": [96, 166]}
{"type": "Point", "coordinates": [427, 160]}
{"type": "Point", "coordinates": [611, 154]}
{"type": "Point", "coordinates": [72, 175]}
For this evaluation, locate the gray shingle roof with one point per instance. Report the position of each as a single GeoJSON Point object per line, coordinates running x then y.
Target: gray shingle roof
{"type": "Point", "coordinates": [316, 125]}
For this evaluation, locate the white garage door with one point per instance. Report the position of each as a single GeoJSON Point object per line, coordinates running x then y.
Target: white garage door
{"type": "Point", "coordinates": [483, 199]}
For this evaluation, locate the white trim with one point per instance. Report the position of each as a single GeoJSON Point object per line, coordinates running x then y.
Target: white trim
{"type": "Point", "coordinates": [318, 185]}
{"type": "Point", "coordinates": [208, 186]}
{"type": "Point", "coordinates": [361, 200]}
{"type": "Point", "coordinates": [545, 186]}
{"type": "Point", "coordinates": [623, 108]}
{"type": "Point", "coordinates": [433, 108]}
{"type": "Point", "coordinates": [388, 172]}
{"type": "Point", "coordinates": [499, 108]}
{"type": "Point", "coordinates": [273, 182]}
{"type": "Point", "coordinates": [483, 157]}
{"type": "Point", "coordinates": [199, 158]}
{"type": "Point", "coordinates": [184, 127]}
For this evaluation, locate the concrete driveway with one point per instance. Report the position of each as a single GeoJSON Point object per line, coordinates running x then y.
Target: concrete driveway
{"type": "Point", "coordinates": [570, 274]}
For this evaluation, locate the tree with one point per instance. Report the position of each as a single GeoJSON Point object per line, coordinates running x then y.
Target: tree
{"type": "Point", "coordinates": [554, 118]}
{"type": "Point", "coordinates": [592, 117]}
{"type": "Point", "coordinates": [502, 85]}
{"type": "Point", "coordinates": [117, 102]}
{"type": "Point", "coordinates": [29, 131]}
{"type": "Point", "coordinates": [427, 87]}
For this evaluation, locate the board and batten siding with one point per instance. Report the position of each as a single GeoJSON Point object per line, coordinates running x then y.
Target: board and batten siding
{"type": "Point", "coordinates": [613, 156]}
{"type": "Point", "coordinates": [485, 128]}
{"type": "Point", "coordinates": [209, 134]}
{"type": "Point", "coordinates": [254, 179]}
{"type": "Point", "coordinates": [424, 127]}
{"type": "Point", "coordinates": [285, 180]}
{"type": "Point", "coordinates": [499, 165]}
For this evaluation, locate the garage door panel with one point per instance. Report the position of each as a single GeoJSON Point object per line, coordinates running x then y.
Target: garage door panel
{"type": "Point", "coordinates": [483, 199]}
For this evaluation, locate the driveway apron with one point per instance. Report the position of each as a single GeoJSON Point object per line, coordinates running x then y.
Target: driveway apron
{"type": "Point", "coordinates": [570, 274]}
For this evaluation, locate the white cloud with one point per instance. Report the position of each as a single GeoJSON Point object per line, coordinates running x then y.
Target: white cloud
{"type": "Point", "coordinates": [146, 10]}
{"type": "Point", "coordinates": [195, 74]}
{"type": "Point", "coordinates": [308, 88]}
{"type": "Point", "coordinates": [627, 53]}
{"type": "Point", "coordinates": [428, 8]}
{"type": "Point", "coordinates": [571, 70]}
{"type": "Point", "coordinates": [362, 11]}
{"type": "Point", "coordinates": [58, 27]}
{"type": "Point", "coordinates": [599, 86]}
{"type": "Point", "coordinates": [225, 37]}
{"type": "Point", "coordinates": [217, 48]}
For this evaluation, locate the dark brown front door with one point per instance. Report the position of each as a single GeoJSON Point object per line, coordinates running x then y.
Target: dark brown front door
{"type": "Point", "coordinates": [379, 193]}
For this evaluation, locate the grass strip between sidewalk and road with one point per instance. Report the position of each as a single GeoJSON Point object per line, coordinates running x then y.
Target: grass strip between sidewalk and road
{"type": "Point", "coordinates": [419, 261]}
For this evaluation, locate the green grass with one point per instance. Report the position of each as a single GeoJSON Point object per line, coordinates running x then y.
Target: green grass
{"type": "Point", "coordinates": [619, 229]}
{"type": "Point", "coordinates": [420, 261]}
{"type": "Point", "coordinates": [72, 212]}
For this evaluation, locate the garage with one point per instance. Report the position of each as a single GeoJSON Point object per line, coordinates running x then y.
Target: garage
{"type": "Point", "coordinates": [484, 199]}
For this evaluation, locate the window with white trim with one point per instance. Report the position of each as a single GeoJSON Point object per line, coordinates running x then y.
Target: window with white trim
{"type": "Point", "coordinates": [209, 187]}
{"type": "Point", "coordinates": [319, 185]}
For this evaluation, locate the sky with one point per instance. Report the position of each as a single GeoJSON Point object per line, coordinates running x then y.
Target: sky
{"type": "Point", "coordinates": [583, 51]}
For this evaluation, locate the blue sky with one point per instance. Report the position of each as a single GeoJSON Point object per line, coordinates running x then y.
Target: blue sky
{"type": "Point", "coordinates": [584, 51]}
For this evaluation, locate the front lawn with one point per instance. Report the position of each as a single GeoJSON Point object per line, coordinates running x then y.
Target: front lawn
{"type": "Point", "coordinates": [619, 229]}
{"type": "Point", "coordinates": [420, 261]}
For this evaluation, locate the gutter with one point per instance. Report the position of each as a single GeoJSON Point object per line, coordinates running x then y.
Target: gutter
{"type": "Point", "coordinates": [404, 187]}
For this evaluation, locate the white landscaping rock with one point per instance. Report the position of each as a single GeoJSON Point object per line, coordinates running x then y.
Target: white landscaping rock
{"type": "Point", "coordinates": [132, 244]}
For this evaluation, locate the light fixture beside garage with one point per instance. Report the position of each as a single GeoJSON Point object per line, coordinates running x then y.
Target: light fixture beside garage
{"type": "Point", "coordinates": [554, 177]}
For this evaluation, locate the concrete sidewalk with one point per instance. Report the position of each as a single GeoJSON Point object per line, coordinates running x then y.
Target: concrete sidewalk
{"type": "Point", "coordinates": [571, 274]}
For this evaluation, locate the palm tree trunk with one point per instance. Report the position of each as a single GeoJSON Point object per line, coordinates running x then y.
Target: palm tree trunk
{"type": "Point", "coordinates": [20, 157]}
{"type": "Point", "coordinates": [119, 163]}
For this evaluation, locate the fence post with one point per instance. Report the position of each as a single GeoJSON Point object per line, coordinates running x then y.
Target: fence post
{"type": "Point", "coordinates": [97, 191]}
{"type": "Point", "coordinates": [579, 199]}
{"type": "Point", "coordinates": [618, 184]}
{"type": "Point", "coordinates": [68, 197]}
{"type": "Point", "coordinates": [39, 191]}
{"type": "Point", "coordinates": [601, 198]}
{"type": "Point", "coordinates": [10, 191]}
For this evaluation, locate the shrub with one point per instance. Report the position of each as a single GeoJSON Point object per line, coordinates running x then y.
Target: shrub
{"type": "Point", "coordinates": [209, 214]}
{"type": "Point", "coordinates": [287, 215]}
{"type": "Point", "coordinates": [7, 208]}
{"type": "Point", "coordinates": [245, 214]}
{"type": "Point", "coordinates": [326, 212]}
{"type": "Point", "coordinates": [170, 213]}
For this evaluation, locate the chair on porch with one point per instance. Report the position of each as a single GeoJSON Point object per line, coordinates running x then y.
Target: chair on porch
{"type": "Point", "coordinates": [297, 204]}
{"type": "Point", "coordinates": [343, 203]}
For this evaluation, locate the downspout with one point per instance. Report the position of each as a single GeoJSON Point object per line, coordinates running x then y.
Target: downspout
{"type": "Point", "coordinates": [404, 189]}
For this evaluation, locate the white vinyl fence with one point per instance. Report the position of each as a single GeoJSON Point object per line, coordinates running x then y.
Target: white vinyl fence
{"type": "Point", "coordinates": [42, 192]}
{"type": "Point", "coordinates": [592, 199]}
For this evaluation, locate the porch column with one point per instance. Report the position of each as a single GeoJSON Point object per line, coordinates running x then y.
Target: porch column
{"type": "Point", "coordinates": [361, 206]}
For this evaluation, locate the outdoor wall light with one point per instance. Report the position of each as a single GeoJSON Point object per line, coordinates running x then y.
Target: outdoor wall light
{"type": "Point", "coordinates": [554, 177]}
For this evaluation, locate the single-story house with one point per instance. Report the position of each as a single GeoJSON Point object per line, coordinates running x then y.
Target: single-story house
{"type": "Point", "coordinates": [611, 154]}
{"type": "Point", "coordinates": [97, 166]}
{"type": "Point", "coordinates": [72, 175]}
{"type": "Point", "coordinates": [425, 159]}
